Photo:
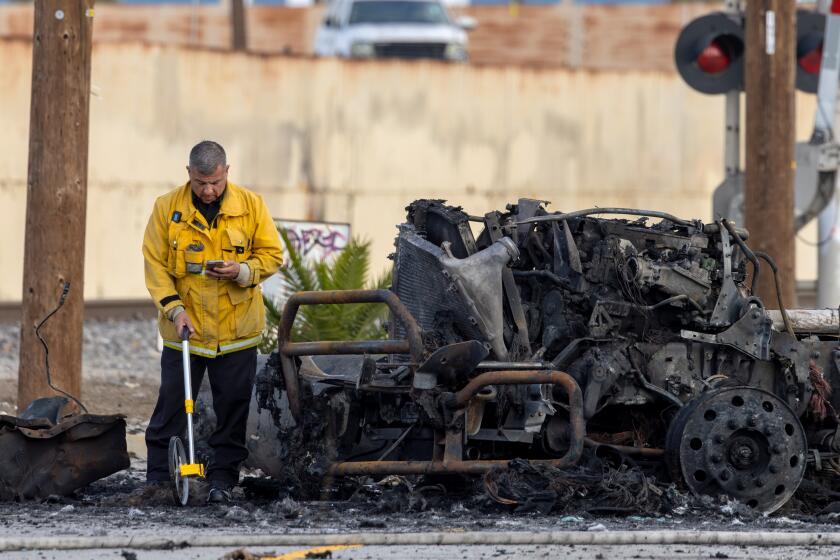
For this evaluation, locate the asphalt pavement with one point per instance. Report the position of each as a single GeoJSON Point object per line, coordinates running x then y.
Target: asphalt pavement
{"type": "Point", "coordinates": [446, 552]}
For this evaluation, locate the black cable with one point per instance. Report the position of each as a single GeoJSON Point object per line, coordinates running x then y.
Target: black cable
{"type": "Point", "coordinates": [655, 306]}
{"type": "Point", "coordinates": [747, 252]}
{"type": "Point", "coordinates": [829, 129]}
{"type": "Point", "coordinates": [559, 280]}
{"type": "Point", "coordinates": [778, 283]}
{"type": "Point", "coordinates": [821, 242]}
{"type": "Point", "coordinates": [822, 198]}
{"type": "Point", "coordinates": [61, 300]}
{"type": "Point", "coordinates": [642, 379]}
{"type": "Point", "coordinates": [369, 452]}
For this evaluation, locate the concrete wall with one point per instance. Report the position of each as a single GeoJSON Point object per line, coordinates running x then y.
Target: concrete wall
{"type": "Point", "coordinates": [355, 142]}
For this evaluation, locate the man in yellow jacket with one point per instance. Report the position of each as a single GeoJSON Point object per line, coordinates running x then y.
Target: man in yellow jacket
{"type": "Point", "coordinates": [208, 245]}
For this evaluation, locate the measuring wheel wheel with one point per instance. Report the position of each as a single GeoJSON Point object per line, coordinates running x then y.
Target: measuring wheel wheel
{"type": "Point", "coordinates": [180, 484]}
{"type": "Point", "coordinates": [741, 442]}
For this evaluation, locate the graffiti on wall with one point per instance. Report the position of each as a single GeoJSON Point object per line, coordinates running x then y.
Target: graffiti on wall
{"type": "Point", "coordinates": [316, 241]}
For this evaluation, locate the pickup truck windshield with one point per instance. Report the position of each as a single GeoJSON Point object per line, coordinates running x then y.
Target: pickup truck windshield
{"type": "Point", "coordinates": [399, 11]}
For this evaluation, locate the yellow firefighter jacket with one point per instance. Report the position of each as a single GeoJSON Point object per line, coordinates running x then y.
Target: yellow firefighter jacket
{"type": "Point", "coordinates": [227, 316]}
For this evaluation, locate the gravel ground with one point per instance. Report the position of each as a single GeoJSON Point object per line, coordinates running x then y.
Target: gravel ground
{"type": "Point", "coordinates": [112, 349]}
{"type": "Point", "coordinates": [120, 365]}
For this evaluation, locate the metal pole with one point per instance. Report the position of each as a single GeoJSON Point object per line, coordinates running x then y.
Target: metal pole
{"type": "Point", "coordinates": [732, 139]}
{"type": "Point", "coordinates": [728, 198]}
{"type": "Point", "coordinates": [828, 250]}
{"type": "Point", "coordinates": [185, 355]}
{"type": "Point", "coordinates": [828, 256]}
{"type": "Point", "coordinates": [827, 88]}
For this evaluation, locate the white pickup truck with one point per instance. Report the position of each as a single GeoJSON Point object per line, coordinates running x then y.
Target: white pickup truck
{"type": "Point", "coordinates": [392, 29]}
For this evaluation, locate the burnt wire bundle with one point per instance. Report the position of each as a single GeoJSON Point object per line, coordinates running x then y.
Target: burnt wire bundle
{"type": "Point", "coordinates": [595, 488]}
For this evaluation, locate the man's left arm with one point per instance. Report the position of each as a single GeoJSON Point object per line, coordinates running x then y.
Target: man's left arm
{"type": "Point", "coordinates": [266, 252]}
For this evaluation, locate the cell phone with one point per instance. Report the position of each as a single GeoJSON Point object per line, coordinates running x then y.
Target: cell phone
{"type": "Point", "coordinates": [210, 265]}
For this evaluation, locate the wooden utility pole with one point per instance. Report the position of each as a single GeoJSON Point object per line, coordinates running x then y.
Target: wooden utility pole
{"type": "Point", "coordinates": [56, 196]}
{"type": "Point", "coordinates": [237, 20]}
{"type": "Point", "coordinates": [770, 158]}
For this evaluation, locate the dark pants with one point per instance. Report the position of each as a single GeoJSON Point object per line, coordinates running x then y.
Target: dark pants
{"type": "Point", "coordinates": [231, 379]}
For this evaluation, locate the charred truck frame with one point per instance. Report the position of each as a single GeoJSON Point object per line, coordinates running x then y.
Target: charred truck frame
{"type": "Point", "coordinates": [549, 332]}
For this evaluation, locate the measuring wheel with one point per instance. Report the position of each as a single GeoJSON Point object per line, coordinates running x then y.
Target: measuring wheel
{"type": "Point", "coordinates": [180, 483]}
{"type": "Point", "coordinates": [741, 442]}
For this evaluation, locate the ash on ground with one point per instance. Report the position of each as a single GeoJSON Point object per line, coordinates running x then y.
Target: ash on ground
{"type": "Point", "coordinates": [628, 499]}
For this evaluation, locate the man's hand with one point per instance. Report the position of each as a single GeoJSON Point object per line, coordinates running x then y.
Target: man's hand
{"type": "Point", "coordinates": [228, 271]}
{"type": "Point", "coordinates": [182, 320]}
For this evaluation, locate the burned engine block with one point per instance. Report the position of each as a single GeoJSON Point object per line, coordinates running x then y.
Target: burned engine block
{"type": "Point", "coordinates": [529, 334]}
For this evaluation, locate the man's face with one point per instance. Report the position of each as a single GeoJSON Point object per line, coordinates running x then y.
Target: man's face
{"type": "Point", "coordinates": [208, 187]}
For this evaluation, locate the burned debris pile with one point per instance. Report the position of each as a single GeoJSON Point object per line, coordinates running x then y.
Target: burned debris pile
{"type": "Point", "coordinates": [524, 334]}
{"type": "Point", "coordinates": [543, 488]}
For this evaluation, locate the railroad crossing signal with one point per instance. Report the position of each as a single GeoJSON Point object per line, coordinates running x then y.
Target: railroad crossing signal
{"type": "Point", "coordinates": [810, 33]}
{"type": "Point", "coordinates": [709, 53]}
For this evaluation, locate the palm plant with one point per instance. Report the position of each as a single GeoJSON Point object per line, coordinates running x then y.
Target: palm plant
{"type": "Point", "coordinates": [348, 271]}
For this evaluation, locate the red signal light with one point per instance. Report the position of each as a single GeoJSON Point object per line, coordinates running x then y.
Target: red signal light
{"type": "Point", "coordinates": [810, 33]}
{"type": "Point", "coordinates": [709, 53]}
{"type": "Point", "coordinates": [810, 61]}
{"type": "Point", "coordinates": [714, 58]}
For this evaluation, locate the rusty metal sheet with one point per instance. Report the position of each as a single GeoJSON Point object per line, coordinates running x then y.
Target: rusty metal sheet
{"type": "Point", "coordinates": [38, 459]}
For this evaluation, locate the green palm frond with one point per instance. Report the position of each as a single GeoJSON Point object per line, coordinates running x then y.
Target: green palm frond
{"type": "Point", "coordinates": [350, 270]}
{"type": "Point", "coordinates": [297, 276]}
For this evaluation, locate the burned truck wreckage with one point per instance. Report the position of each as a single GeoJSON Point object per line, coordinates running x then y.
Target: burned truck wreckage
{"type": "Point", "coordinates": [547, 333]}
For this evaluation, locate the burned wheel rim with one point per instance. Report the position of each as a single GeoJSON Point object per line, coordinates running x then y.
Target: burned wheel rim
{"type": "Point", "coordinates": [180, 484]}
{"type": "Point", "coordinates": [741, 442]}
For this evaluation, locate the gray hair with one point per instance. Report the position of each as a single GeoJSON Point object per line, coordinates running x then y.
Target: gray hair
{"type": "Point", "coordinates": [206, 156]}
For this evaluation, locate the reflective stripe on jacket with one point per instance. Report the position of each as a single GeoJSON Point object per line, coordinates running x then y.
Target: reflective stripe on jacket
{"type": "Point", "coordinates": [178, 241]}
